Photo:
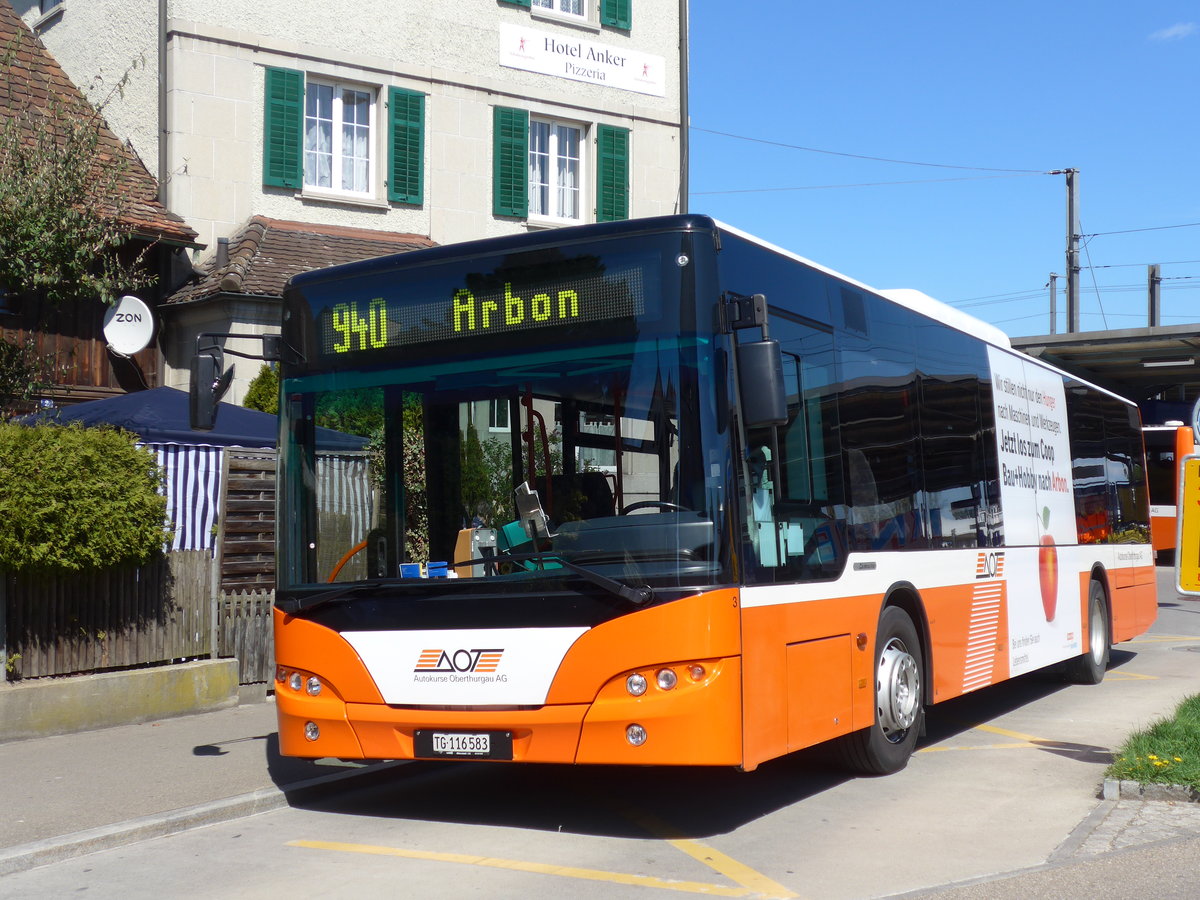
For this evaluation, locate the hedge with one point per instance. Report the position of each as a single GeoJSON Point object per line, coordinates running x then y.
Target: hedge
{"type": "Point", "coordinates": [74, 498]}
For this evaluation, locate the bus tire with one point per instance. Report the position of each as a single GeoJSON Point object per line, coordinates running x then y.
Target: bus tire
{"type": "Point", "coordinates": [885, 746]}
{"type": "Point", "coordinates": [1089, 667]}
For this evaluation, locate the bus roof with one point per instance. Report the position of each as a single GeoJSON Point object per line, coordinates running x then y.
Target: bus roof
{"type": "Point", "coordinates": [906, 297]}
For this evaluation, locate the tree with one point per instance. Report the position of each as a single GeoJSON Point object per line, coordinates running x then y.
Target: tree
{"type": "Point", "coordinates": [263, 392]}
{"type": "Point", "coordinates": [24, 374]}
{"type": "Point", "coordinates": [61, 193]}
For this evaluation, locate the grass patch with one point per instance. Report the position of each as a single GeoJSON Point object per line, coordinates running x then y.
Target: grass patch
{"type": "Point", "coordinates": [1168, 752]}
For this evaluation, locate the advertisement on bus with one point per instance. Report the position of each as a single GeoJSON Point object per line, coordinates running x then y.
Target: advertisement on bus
{"type": "Point", "coordinates": [1039, 510]}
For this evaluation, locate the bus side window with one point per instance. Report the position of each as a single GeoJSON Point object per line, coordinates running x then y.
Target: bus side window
{"type": "Point", "coordinates": [806, 506]}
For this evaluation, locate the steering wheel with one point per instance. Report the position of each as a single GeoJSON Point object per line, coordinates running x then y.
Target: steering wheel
{"type": "Point", "coordinates": [653, 504]}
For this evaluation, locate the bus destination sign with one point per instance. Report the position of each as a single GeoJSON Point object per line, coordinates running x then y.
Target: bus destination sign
{"type": "Point", "coordinates": [427, 313]}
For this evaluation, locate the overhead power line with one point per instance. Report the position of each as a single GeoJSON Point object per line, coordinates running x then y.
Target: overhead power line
{"type": "Point", "coordinates": [821, 187]}
{"type": "Point", "coordinates": [1136, 230]}
{"type": "Point", "coordinates": [903, 162]}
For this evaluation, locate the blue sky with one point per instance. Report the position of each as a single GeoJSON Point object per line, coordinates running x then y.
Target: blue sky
{"type": "Point", "coordinates": [1109, 88]}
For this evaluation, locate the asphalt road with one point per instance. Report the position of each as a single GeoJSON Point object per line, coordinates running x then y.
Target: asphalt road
{"type": "Point", "coordinates": [1000, 801]}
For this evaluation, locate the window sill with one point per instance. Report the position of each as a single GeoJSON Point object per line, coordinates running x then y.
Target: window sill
{"type": "Point", "coordinates": [309, 195]}
{"type": "Point", "coordinates": [47, 19]}
{"type": "Point", "coordinates": [546, 15]}
{"type": "Point", "coordinates": [540, 223]}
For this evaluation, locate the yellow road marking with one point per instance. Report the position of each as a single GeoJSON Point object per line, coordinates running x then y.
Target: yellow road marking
{"type": "Point", "coordinates": [992, 729]}
{"type": "Point", "coordinates": [515, 865]}
{"type": "Point", "coordinates": [1023, 745]}
{"type": "Point", "coordinates": [1122, 675]}
{"type": "Point", "coordinates": [747, 877]}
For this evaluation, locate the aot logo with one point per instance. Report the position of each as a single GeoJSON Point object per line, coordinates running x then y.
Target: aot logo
{"type": "Point", "coordinates": [989, 565]}
{"type": "Point", "coordinates": [459, 660]}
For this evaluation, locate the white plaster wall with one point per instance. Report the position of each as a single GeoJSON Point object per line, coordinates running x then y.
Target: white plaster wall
{"type": "Point", "coordinates": [99, 43]}
{"type": "Point", "coordinates": [451, 54]}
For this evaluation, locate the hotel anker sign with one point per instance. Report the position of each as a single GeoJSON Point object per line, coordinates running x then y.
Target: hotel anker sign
{"type": "Point", "coordinates": [580, 60]}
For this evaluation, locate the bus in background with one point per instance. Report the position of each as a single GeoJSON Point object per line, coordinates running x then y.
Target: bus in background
{"type": "Point", "coordinates": [1166, 446]}
{"type": "Point", "coordinates": [657, 492]}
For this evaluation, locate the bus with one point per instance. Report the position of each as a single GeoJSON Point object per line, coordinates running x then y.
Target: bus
{"type": "Point", "coordinates": [656, 492]}
{"type": "Point", "coordinates": [1166, 447]}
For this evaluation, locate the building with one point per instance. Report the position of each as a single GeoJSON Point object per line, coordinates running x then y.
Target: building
{"type": "Point", "coordinates": [440, 123]}
{"type": "Point", "coordinates": [36, 95]}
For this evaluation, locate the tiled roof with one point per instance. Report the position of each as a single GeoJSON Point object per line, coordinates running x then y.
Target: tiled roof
{"type": "Point", "coordinates": [267, 252]}
{"type": "Point", "coordinates": [30, 78]}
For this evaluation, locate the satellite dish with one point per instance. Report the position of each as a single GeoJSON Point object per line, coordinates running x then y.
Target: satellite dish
{"type": "Point", "coordinates": [128, 326]}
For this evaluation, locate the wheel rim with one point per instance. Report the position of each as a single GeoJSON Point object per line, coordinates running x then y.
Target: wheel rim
{"type": "Point", "coordinates": [1097, 636]}
{"type": "Point", "coordinates": [897, 690]}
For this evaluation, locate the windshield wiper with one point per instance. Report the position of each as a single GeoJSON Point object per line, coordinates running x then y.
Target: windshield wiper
{"type": "Point", "coordinates": [324, 598]}
{"type": "Point", "coordinates": [636, 595]}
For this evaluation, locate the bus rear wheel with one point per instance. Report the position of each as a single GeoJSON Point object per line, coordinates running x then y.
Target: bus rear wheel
{"type": "Point", "coordinates": [885, 746]}
{"type": "Point", "coordinates": [1089, 668]}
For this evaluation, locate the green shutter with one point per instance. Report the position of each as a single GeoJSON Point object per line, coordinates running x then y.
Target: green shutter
{"type": "Point", "coordinates": [283, 121]}
{"type": "Point", "coordinates": [616, 13]}
{"type": "Point", "coordinates": [406, 145]}
{"type": "Point", "coordinates": [524, 3]}
{"type": "Point", "coordinates": [510, 162]}
{"type": "Point", "coordinates": [612, 173]}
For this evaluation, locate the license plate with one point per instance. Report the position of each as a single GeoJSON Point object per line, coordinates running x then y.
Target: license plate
{"type": "Point", "coordinates": [462, 744]}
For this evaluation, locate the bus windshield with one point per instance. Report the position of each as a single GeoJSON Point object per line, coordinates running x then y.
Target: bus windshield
{"type": "Point", "coordinates": [523, 417]}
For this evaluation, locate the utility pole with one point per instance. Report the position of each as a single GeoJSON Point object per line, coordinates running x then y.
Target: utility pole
{"type": "Point", "coordinates": [1154, 295]}
{"type": "Point", "coordinates": [1054, 302]}
{"type": "Point", "coordinates": [1072, 247]}
{"type": "Point", "coordinates": [1072, 250]}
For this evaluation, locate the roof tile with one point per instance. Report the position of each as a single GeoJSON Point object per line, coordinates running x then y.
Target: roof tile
{"type": "Point", "coordinates": [267, 252]}
{"type": "Point", "coordinates": [30, 78]}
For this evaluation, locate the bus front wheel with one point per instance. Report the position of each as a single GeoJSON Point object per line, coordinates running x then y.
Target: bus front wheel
{"type": "Point", "coordinates": [885, 746]}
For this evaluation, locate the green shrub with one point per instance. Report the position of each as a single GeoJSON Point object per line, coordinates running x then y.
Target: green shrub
{"type": "Point", "coordinates": [75, 498]}
{"type": "Point", "coordinates": [263, 392]}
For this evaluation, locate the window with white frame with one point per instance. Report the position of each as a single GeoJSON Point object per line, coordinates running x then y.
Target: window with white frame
{"type": "Point", "coordinates": [565, 7]}
{"type": "Point", "coordinates": [339, 121]}
{"type": "Point", "coordinates": [498, 415]}
{"type": "Point", "coordinates": [555, 170]}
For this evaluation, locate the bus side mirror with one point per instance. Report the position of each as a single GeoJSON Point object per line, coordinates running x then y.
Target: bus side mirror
{"type": "Point", "coordinates": [209, 385]}
{"type": "Point", "coordinates": [760, 380]}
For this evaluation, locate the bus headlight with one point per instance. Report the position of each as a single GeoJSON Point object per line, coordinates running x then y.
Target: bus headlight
{"type": "Point", "coordinates": [311, 731]}
{"type": "Point", "coordinates": [666, 679]}
{"type": "Point", "coordinates": [636, 735]}
{"type": "Point", "coordinates": [636, 684]}
{"type": "Point", "coordinates": [313, 685]}
{"type": "Point", "coordinates": [295, 681]}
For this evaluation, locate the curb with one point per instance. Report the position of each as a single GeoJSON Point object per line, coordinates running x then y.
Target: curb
{"type": "Point", "coordinates": [51, 850]}
{"type": "Point", "coordinates": [1123, 789]}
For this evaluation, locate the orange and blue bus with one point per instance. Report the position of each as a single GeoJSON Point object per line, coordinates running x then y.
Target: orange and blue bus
{"type": "Point", "coordinates": [658, 492]}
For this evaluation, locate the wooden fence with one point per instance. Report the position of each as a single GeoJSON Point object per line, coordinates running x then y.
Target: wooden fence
{"type": "Point", "coordinates": [111, 618]}
{"type": "Point", "coordinates": [171, 609]}
{"type": "Point", "coordinates": [244, 631]}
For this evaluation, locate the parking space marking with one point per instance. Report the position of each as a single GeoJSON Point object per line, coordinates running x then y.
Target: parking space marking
{"type": "Point", "coordinates": [754, 881]}
{"type": "Point", "coordinates": [1161, 639]}
{"type": "Point", "coordinates": [1022, 745]}
{"type": "Point", "coordinates": [689, 887]}
{"type": "Point", "coordinates": [1122, 675]}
